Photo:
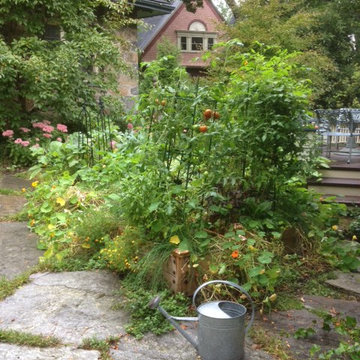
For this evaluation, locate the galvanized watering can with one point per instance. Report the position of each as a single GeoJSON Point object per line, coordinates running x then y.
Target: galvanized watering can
{"type": "Point", "coordinates": [221, 328]}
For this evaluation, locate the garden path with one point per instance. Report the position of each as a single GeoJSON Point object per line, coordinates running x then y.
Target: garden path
{"type": "Point", "coordinates": [70, 306]}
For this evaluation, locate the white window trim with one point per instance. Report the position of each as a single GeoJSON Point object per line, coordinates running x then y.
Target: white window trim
{"type": "Point", "coordinates": [190, 34]}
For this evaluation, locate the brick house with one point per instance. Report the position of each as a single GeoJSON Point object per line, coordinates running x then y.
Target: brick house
{"type": "Point", "coordinates": [192, 33]}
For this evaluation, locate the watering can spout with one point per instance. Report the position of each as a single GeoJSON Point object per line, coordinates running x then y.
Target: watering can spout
{"type": "Point", "coordinates": [154, 304]}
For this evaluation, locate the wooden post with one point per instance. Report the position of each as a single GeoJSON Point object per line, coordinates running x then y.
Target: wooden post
{"type": "Point", "coordinates": [178, 273]}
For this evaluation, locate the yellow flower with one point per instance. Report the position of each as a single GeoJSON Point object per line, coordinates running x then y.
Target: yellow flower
{"type": "Point", "coordinates": [32, 222]}
{"type": "Point", "coordinates": [34, 184]}
{"type": "Point", "coordinates": [252, 248]}
{"type": "Point", "coordinates": [51, 227]}
{"type": "Point", "coordinates": [335, 227]}
{"type": "Point", "coordinates": [60, 201]}
{"type": "Point", "coordinates": [273, 297]}
{"type": "Point", "coordinates": [354, 237]}
{"type": "Point", "coordinates": [174, 240]}
{"type": "Point", "coordinates": [23, 190]}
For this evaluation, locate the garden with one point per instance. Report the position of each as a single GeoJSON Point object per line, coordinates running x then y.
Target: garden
{"type": "Point", "coordinates": [214, 167]}
{"type": "Point", "coordinates": [217, 169]}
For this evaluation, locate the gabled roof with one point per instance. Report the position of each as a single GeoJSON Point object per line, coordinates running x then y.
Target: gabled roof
{"type": "Point", "coordinates": [156, 23]}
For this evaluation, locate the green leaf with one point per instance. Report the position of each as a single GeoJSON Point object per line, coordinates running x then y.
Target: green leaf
{"type": "Point", "coordinates": [265, 257]}
{"type": "Point", "coordinates": [153, 207]}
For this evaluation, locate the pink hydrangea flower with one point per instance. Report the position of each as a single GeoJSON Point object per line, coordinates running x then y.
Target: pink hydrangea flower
{"type": "Point", "coordinates": [18, 141]}
{"type": "Point", "coordinates": [130, 126]}
{"type": "Point", "coordinates": [36, 145]}
{"type": "Point", "coordinates": [48, 128]}
{"type": "Point", "coordinates": [62, 128]}
{"type": "Point", "coordinates": [47, 136]}
{"type": "Point", "coordinates": [25, 130]}
{"type": "Point", "coordinates": [8, 133]}
{"type": "Point", "coordinates": [25, 143]}
{"type": "Point", "coordinates": [59, 139]}
{"type": "Point", "coordinates": [39, 125]}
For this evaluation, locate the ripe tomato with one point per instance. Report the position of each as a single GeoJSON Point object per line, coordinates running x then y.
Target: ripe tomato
{"type": "Point", "coordinates": [216, 115]}
{"type": "Point", "coordinates": [203, 128]}
{"type": "Point", "coordinates": [207, 114]}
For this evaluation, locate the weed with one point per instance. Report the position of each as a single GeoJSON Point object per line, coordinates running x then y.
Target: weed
{"type": "Point", "coordinates": [9, 192]}
{"type": "Point", "coordinates": [25, 339]}
{"type": "Point", "coordinates": [101, 345]}
{"type": "Point", "coordinates": [8, 287]}
{"type": "Point", "coordinates": [144, 319]}
{"type": "Point", "coordinates": [270, 343]}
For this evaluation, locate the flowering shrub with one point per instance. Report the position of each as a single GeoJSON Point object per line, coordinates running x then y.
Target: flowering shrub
{"type": "Point", "coordinates": [41, 134]}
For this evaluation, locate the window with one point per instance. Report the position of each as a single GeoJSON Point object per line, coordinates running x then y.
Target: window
{"type": "Point", "coordinates": [183, 43]}
{"type": "Point", "coordinates": [196, 43]}
{"type": "Point", "coordinates": [197, 26]}
{"type": "Point", "coordinates": [52, 32]}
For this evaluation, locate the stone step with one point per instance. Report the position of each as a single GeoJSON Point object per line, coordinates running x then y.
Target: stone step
{"type": "Point", "coordinates": [336, 186]}
{"type": "Point", "coordinates": [349, 282]}
{"type": "Point", "coordinates": [341, 172]}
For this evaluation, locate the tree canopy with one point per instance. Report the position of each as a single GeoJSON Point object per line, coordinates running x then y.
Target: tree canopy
{"type": "Point", "coordinates": [319, 31]}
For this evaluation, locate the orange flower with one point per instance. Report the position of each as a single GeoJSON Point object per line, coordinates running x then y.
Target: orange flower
{"type": "Point", "coordinates": [235, 254]}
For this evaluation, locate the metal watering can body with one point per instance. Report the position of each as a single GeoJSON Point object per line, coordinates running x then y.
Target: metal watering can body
{"type": "Point", "coordinates": [221, 325]}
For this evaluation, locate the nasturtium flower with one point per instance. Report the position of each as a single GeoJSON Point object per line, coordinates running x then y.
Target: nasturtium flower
{"type": "Point", "coordinates": [23, 190]}
{"type": "Point", "coordinates": [235, 254]}
{"type": "Point", "coordinates": [335, 227]}
{"type": "Point", "coordinates": [273, 297]}
{"type": "Point", "coordinates": [354, 238]}
{"type": "Point", "coordinates": [174, 240]}
{"type": "Point", "coordinates": [34, 184]}
{"type": "Point", "coordinates": [60, 201]}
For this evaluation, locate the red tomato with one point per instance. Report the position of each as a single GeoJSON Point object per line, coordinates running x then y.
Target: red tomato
{"type": "Point", "coordinates": [207, 114]}
{"type": "Point", "coordinates": [203, 128]}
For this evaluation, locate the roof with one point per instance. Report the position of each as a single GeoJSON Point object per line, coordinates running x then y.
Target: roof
{"type": "Point", "coordinates": [154, 26]}
{"type": "Point", "coordinates": [156, 23]}
{"type": "Point", "coordinates": [150, 8]}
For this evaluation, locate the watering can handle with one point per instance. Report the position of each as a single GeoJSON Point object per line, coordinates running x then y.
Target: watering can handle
{"type": "Point", "coordinates": [234, 286]}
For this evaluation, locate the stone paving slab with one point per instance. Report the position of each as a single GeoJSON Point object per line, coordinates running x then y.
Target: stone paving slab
{"type": "Point", "coordinates": [18, 250]}
{"type": "Point", "coordinates": [349, 282]}
{"type": "Point", "coordinates": [8, 181]}
{"type": "Point", "coordinates": [11, 204]}
{"type": "Point", "coordinates": [338, 306]}
{"type": "Point", "coordinates": [14, 352]}
{"type": "Point", "coordinates": [171, 346]}
{"type": "Point", "coordinates": [71, 306]}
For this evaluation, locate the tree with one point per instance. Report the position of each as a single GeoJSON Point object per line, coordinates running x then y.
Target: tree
{"type": "Point", "coordinates": [317, 30]}
{"type": "Point", "coordinates": [41, 78]}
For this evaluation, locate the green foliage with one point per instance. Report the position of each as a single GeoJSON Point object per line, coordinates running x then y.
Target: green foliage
{"type": "Point", "coordinates": [144, 319]}
{"type": "Point", "coordinates": [101, 345]}
{"type": "Point", "coordinates": [302, 333]}
{"type": "Point", "coordinates": [52, 78]}
{"type": "Point", "coordinates": [348, 348]}
{"type": "Point", "coordinates": [8, 287]}
{"type": "Point", "coordinates": [318, 31]}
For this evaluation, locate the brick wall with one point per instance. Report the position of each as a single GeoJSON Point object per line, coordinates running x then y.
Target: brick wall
{"type": "Point", "coordinates": [181, 21]}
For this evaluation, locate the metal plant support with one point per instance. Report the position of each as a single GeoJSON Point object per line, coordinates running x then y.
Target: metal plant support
{"type": "Point", "coordinates": [95, 134]}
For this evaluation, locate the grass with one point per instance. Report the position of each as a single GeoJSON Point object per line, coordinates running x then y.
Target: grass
{"type": "Point", "coordinates": [270, 343]}
{"type": "Point", "coordinates": [26, 339]}
{"type": "Point", "coordinates": [8, 287]}
{"type": "Point", "coordinates": [10, 192]}
{"type": "Point", "coordinates": [103, 346]}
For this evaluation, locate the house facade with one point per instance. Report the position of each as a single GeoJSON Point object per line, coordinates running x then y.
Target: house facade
{"type": "Point", "coordinates": [192, 33]}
